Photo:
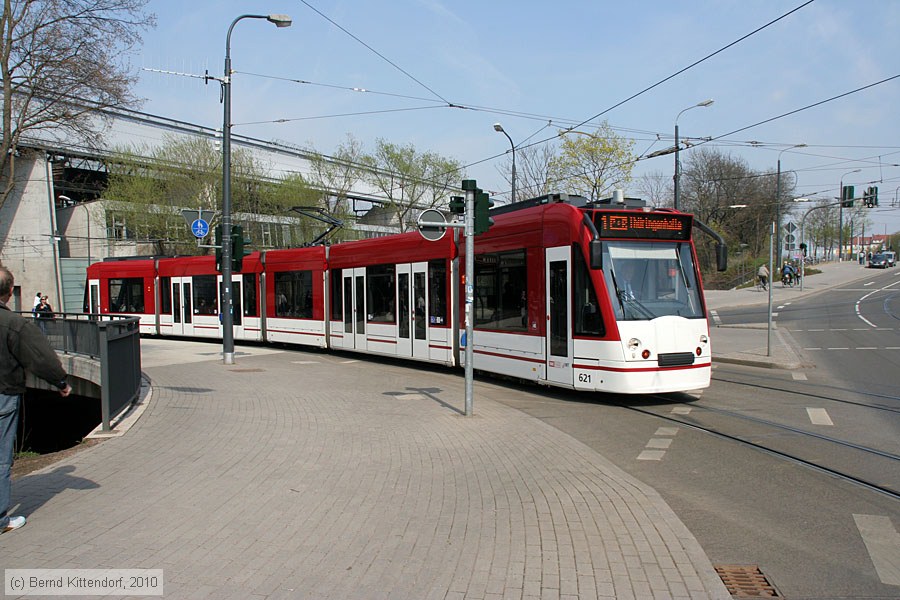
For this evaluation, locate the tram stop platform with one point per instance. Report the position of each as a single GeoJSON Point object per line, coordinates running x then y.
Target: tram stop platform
{"type": "Point", "coordinates": [295, 474]}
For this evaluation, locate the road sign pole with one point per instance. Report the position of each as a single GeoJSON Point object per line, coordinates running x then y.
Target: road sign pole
{"type": "Point", "coordinates": [470, 295]}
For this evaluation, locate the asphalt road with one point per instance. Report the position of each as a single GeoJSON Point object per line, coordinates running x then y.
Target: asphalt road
{"type": "Point", "coordinates": [812, 533]}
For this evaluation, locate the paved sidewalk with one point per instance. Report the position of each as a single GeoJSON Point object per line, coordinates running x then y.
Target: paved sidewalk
{"type": "Point", "coordinates": [750, 344]}
{"type": "Point", "coordinates": [314, 475]}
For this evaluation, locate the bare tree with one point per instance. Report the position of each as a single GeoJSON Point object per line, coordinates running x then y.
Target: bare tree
{"type": "Point", "coordinates": [532, 170]}
{"type": "Point", "coordinates": [61, 61]}
{"type": "Point", "coordinates": [656, 189]}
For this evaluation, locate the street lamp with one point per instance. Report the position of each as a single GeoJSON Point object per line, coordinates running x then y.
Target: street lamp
{"type": "Point", "coordinates": [841, 216]}
{"type": "Point", "coordinates": [705, 103]}
{"type": "Point", "coordinates": [499, 127]}
{"type": "Point", "coordinates": [227, 316]}
{"type": "Point", "coordinates": [778, 200]}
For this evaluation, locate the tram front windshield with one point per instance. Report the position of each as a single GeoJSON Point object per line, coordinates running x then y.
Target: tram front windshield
{"type": "Point", "coordinates": [647, 280]}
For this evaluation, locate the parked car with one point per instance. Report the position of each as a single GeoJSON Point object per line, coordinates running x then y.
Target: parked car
{"type": "Point", "coordinates": [891, 258]}
{"type": "Point", "coordinates": [878, 261]}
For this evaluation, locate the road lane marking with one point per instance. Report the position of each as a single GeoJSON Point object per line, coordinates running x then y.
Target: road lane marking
{"type": "Point", "coordinates": [868, 284]}
{"type": "Point", "coordinates": [867, 348]}
{"type": "Point", "coordinates": [883, 543]}
{"type": "Point", "coordinates": [681, 410]}
{"type": "Point", "coordinates": [666, 431]}
{"type": "Point", "coordinates": [651, 455]}
{"type": "Point", "coordinates": [716, 319]}
{"type": "Point", "coordinates": [659, 443]}
{"type": "Point", "coordinates": [799, 376]}
{"type": "Point", "coordinates": [819, 416]}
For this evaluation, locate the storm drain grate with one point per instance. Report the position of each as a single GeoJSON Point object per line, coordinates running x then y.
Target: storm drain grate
{"type": "Point", "coordinates": [746, 581]}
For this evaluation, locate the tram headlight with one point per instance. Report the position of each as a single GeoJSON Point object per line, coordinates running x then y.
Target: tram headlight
{"type": "Point", "coordinates": [634, 344]}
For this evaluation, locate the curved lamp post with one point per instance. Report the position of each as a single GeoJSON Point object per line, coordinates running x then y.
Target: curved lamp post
{"type": "Point", "coordinates": [226, 308]}
{"type": "Point", "coordinates": [705, 103]}
{"type": "Point", "coordinates": [841, 216]}
{"type": "Point", "coordinates": [499, 127]}
{"type": "Point", "coordinates": [778, 201]}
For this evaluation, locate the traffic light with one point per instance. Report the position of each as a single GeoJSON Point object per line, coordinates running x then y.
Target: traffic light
{"type": "Point", "coordinates": [803, 248]}
{"type": "Point", "coordinates": [238, 241]}
{"type": "Point", "coordinates": [871, 197]}
{"type": "Point", "coordinates": [457, 205]}
{"type": "Point", "coordinates": [218, 244]}
{"type": "Point", "coordinates": [483, 220]}
{"type": "Point", "coordinates": [847, 196]}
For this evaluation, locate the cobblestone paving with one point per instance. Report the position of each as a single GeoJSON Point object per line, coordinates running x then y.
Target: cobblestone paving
{"type": "Point", "coordinates": [295, 475]}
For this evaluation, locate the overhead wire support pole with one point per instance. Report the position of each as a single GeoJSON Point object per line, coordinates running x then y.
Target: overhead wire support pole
{"type": "Point", "coordinates": [227, 303]}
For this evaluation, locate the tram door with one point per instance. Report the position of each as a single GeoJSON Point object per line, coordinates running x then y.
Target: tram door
{"type": "Point", "coordinates": [94, 307]}
{"type": "Point", "coordinates": [182, 311]}
{"type": "Point", "coordinates": [559, 317]}
{"type": "Point", "coordinates": [237, 308]}
{"type": "Point", "coordinates": [354, 308]}
{"type": "Point", "coordinates": [412, 310]}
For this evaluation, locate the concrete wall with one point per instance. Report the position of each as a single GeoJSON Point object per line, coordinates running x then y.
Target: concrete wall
{"type": "Point", "coordinates": [28, 240]}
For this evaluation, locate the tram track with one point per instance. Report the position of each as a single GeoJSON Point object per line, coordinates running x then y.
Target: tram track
{"type": "Point", "coordinates": [791, 456]}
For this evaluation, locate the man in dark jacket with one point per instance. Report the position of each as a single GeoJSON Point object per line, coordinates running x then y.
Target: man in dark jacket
{"type": "Point", "coordinates": [22, 346]}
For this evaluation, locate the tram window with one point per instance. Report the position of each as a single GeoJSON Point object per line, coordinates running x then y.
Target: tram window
{"type": "Point", "coordinates": [205, 300]}
{"type": "Point", "coordinates": [586, 308]}
{"type": "Point", "coordinates": [380, 293]}
{"type": "Point", "coordinates": [647, 280]}
{"type": "Point", "coordinates": [165, 295]}
{"type": "Point", "coordinates": [126, 295]}
{"type": "Point", "coordinates": [437, 286]}
{"type": "Point", "coordinates": [337, 296]}
{"type": "Point", "coordinates": [248, 292]}
{"type": "Point", "coordinates": [294, 294]}
{"type": "Point", "coordinates": [501, 300]}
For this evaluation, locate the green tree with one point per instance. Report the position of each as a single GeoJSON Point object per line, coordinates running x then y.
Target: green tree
{"type": "Point", "coordinates": [61, 62]}
{"type": "Point", "coordinates": [592, 164]}
{"type": "Point", "coordinates": [411, 180]}
{"type": "Point", "coordinates": [334, 178]}
{"type": "Point", "coordinates": [152, 185]}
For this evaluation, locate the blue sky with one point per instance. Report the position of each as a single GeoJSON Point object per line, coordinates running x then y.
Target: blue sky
{"type": "Point", "coordinates": [524, 63]}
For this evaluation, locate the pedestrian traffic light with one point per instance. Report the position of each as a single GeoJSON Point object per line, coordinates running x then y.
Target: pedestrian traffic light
{"type": "Point", "coordinates": [238, 252]}
{"type": "Point", "coordinates": [218, 244]}
{"type": "Point", "coordinates": [483, 220]}
{"type": "Point", "coordinates": [457, 205]}
{"type": "Point", "coordinates": [847, 196]}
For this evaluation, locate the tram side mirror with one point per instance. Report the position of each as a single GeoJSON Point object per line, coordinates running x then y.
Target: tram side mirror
{"type": "Point", "coordinates": [721, 256]}
{"type": "Point", "coordinates": [596, 251]}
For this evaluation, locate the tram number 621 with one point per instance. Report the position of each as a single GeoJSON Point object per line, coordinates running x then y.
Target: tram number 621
{"type": "Point", "coordinates": [584, 377]}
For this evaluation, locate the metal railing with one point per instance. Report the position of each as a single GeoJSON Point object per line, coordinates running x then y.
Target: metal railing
{"type": "Point", "coordinates": [113, 340]}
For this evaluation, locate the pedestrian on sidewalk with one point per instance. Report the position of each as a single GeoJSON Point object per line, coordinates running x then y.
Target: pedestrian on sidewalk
{"type": "Point", "coordinates": [22, 347]}
{"type": "Point", "coordinates": [763, 274]}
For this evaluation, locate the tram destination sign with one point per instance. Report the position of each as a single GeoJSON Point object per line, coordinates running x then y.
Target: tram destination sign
{"type": "Point", "coordinates": [643, 225]}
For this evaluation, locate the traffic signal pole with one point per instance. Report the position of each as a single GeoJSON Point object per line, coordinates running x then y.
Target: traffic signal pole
{"type": "Point", "coordinates": [471, 190]}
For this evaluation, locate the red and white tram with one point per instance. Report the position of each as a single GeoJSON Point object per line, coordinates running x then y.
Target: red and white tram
{"type": "Point", "coordinates": [588, 296]}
